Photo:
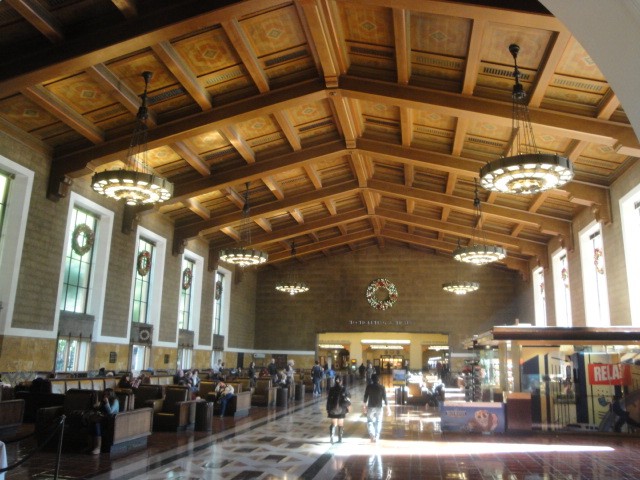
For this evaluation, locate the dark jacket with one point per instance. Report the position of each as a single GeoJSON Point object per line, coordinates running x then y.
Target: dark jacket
{"type": "Point", "coordinates": [339, 395]}
{"type": "Point", "coordinates": [374, 395]}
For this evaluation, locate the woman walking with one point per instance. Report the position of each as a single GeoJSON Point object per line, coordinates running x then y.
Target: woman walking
{"type": "Point", "coordinates": [338, 403]}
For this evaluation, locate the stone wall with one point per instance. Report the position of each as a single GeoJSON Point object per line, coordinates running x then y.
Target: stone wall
{"type": "Point", "coordinates": [336, 300]}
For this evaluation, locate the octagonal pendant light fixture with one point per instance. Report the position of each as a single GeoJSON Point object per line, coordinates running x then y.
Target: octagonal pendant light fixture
{"type": "Point", "coordinates": [136, 183]}
{"type": "Point", "coordinates": [527, 171]}
{"type": "Point", "coordinates": [478, 252]}
{"type": "Point", "coordinates": [243, 255]}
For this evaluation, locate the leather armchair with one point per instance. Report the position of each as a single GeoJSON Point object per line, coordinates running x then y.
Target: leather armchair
{"type": "Point", "coordinates": [264, 395]}
{"type": "Point", "coordinates": [177, 412]}
{"type": "Point", "coordinates": [149, 396]}
{"type": "Point", "coordinates": [123, 431]}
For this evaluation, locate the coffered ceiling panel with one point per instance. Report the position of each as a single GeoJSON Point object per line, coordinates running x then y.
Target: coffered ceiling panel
{"type": "Point", "coordinates": [357, 124]}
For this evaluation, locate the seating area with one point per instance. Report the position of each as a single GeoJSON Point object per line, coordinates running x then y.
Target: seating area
{"type": "Point", "coordinates": [157, 405]}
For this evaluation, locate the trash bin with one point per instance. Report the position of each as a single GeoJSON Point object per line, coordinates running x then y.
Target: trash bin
{"type": "Point", "coordinates": [204, 416]}
{"type": "Point", "coordinates": [282, 397]}
{"type": "Point", "coordinates": [401, 396]}
{"type": "Point", "coordinates": [299, 391]}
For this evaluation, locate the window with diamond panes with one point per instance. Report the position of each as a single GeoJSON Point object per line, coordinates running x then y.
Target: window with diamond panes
{"type": "Point", "coordinates": [78, 262]}
{"type": "Point", "coordinates": [186, 294]}
{"type": "Point", "coordinates": [142, 281]}
{"type": "Point", "coordinates": [561, 289]}
{"type": "Point", "coordinates": [539, 297]}
{"type": "Point", "coordinates": [594, 278]}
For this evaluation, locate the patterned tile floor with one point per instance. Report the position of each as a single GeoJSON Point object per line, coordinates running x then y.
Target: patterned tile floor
{"type": "Point", "coordinates": [292, 443]}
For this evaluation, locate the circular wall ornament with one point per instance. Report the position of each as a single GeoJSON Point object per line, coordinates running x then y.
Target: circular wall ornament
{"type": "Point", "coordinates": [82, 239]}
{"type": "Point", "coordinates": [372, 294]}
{"type": "Point", "coordinates": [186, 278]}
{"type": "Point", "coordinates": [143, 265]}
{"type": "Point", "coordinates": [144, 335]}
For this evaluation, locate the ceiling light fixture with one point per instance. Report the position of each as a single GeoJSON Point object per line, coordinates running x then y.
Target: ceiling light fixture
{"type": "Point", "coordinates": [526, 171]}
{"type": "Point", "coordinates": [460, 288]}
{"type": "Point", "coordinates": [292, 285]}
{"type": "Point", "coordinates": [242, 255]}
{"type": "Point", "coordinates": [137, 183]}
{"type": "Point", "coordinates": [478, 253]}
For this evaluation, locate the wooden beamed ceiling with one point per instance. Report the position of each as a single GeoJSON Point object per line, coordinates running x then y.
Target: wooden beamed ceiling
{"type": "Point", "coordinates": [354, 124]}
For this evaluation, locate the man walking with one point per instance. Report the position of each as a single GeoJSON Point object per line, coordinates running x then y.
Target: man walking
{"type": "Point", "coordinates": [374, 396]}
{"type": "Point", "coordinates": [317, 374]}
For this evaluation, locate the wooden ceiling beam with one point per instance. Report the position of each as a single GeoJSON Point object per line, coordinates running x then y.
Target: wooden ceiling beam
{"type": "Point", "coordinates": [333, 65]}
{"type": "Point", "coordinates": [346, 120]}
{"type": "Point", "coordinates": [84, 161]}
{"type": "Point", "coordinates": [547, 225]}
{"type": "Point", "coordinates": [519, 245]}
{"type": "Point", "coordinates": [359, 168]}
{"type": "Point", "coordinates": [174, 20]}
{"type": "Point", "coordinates": [314, 176]}
{"type": "Point", "coordinates": [179, 69]}
{"type": "Point", "coordinates": [257, 171]}
{"type": "Point", "coordinates": [482, 109]}
{"type": "Point", "coordinates": [112, 85]}
{"type": "Point", "coordinates": [239, 143]}
{"type": "Point", "coordinates": [243, 47]}
{"type": "Point", "coordinates": [197, 208]}
{"type": "Point", "coordinates": [460, 166]}
{"type": "Point", "coordinates": [128, 8]}
{"type": "Point", "coordinates": [538, 18]}
{"type": "Point", "coordinates": [274, 187]}
{"type": "Point", "coordinates": [335, 221]}
{"type": "Point", "coordinates": [406, 126]}
{"type": "Point", "coordinates": [43, 97]}
{"type": "Point", "coordinates": [286, 125]}
{"type": "Point", "coordinates": [558, 45]}
{"type": "Point", "coordinates": [191, 157]}
{"type": "Point", "coordinates": [233, 196]}
{"type": "Point", "coordinates": [608, 105]}
{"type": "Point", "coordinates": [192, 229]}
{"type": "Point", "coordinates": [474, 57]}
{"type": "Point", "coordinates": [402, 37]}
{"type": "Point", "coordinates": [323, 245]}
{"type": "Point", "coordinates": [40, 18]}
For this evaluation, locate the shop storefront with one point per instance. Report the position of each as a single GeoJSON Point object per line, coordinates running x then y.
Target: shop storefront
{"type": "Point", "coordinates": [571, 379]}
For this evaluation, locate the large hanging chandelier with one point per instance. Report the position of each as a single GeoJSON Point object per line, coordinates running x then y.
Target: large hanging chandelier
{"type": "Point", "coordinates": [243, 256]}
{"type": "Point", "coordinates": [292, 285]}
{"type": "Point", "coordinates": [137, 183]}
{"type": "Point", "coordinates": [460, 288]}
{"type": "Point", "coordinates": [526, 171]}
{"type": "Point", "coordinates": [478, 252]}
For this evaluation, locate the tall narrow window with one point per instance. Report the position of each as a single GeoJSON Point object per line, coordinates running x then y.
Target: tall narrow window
{"type": "Point", "coordinates": [16, 185]}
{"type": "Point", "coordinates": [594, 277]}
{"type": "Point", "coordinates": [217, 303]}
{"type": "Point", "coordinates": [71, 354]}
{"type": "Point", "coordinates": [561, 288]}
{"type": "Point", "coordinates": [185, 356]}
{"type": "Point", "coordinates": [186, 297]}
{"type": "Point", "coordinates": [630, 215]}
{"type": "Point", "coordinates": [539, 297]}
{"type": "Point", "coordinates": [142, 282]}
{"type": "Point", "coordinates": [78, 262]}
{"type": "Point", "coordinates": [5, 182]}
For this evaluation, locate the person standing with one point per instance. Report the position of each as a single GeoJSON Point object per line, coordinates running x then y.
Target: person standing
{"type": "Point", "coordinates": [317, 374]}
{"type": "Point", "coordinates": [252, 374]}
{"type": "Point", "coordinates": [368, 372]}
{"type": "Point", "coordinates": [338, 403]}
{"type": "Point", "coordinates": [272, 369]}
{"type": "Point", "coordinates": [374, 396]}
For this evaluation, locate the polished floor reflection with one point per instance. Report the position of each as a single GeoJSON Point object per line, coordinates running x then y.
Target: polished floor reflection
{"type": "Point", "coordinates": [293, 443]}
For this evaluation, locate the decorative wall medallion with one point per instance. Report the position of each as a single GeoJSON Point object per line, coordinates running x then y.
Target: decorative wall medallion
{"type": "Point", "coordinates": [381, 294]}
